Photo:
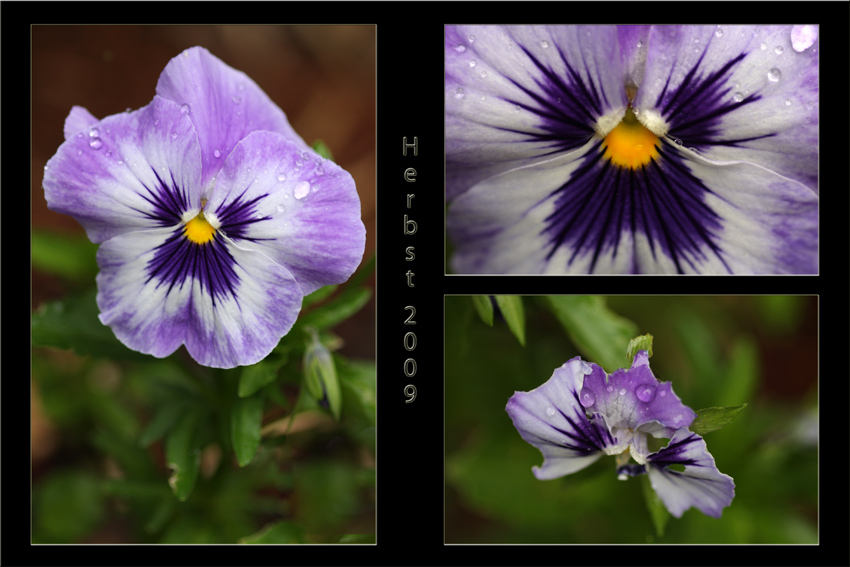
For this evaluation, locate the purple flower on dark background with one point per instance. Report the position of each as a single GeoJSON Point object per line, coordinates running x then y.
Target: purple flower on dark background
{"type": "Point", "coordinates": [581, 414]}
{"type": "Point", "coordinates": [632, 149]}
{"type": "Point", "coordinates": [213, 215]}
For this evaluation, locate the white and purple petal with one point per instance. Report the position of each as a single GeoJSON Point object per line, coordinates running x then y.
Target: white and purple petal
{"type": "Point", "coordinates": [552, 419]}
{"type": "Point", "coordinates": [224, 104]}
{"type": "Point", "coordinates": [157, 291]}
{"type": "Point", "coordinates": [130, 171]}
{"type": "Point", "coordinates": [700, 484]}
{"type": "Point", "coordinates": [739, 93]}
{"type": "Point", "coordinates": [632, 397]}
{"type": "Point", "coordinates": [300, 210]}
{"type": "Point", "coordinates": [517, 94]}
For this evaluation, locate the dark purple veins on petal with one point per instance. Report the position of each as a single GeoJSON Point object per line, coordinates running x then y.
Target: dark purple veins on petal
{"type": "Point", "coordinates": [167, 201]}
{"type": "Point", "coordinates": [672, 454]}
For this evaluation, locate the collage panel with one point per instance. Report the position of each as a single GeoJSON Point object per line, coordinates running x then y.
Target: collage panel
{"type": "Point", "coordinates": [620, 419]}
{"type": "Point", "coordinates": [632, 149]}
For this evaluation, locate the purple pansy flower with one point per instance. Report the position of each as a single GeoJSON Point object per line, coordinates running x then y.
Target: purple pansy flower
{"type": "Point", "coordinates": [632, 149]}
{"type": "Point", "coordinates": [214, 217]}
{"type": "Point", "coordinates": [581, 414]}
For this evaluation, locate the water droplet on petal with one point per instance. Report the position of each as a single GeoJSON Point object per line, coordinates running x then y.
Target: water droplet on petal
{"type": "Point", "coordinates": [586, 397]}
{"type": "Point", "coordinates": [718, 32]}
{"type": "Point", "coordinates": [646, 392]}
{"type": "Point", "coordinates": [281, 177]}
{"type": "Point", "coordinates": [778, 50]}
{"type": "Point", "coordinates": [184, 109]}
{"type": "Point", "coordinates": [95, 143]}
{"type": "Point", "coordinates": [763, 46]}
{"type": "Point", "coordinates": [774, 74]}
{"type": "Point", "coordinates": [460, 48]}
{"type": "Point", "coordinates": [610, 388]}
{"type": "Point", "coordinates": [472, 63]}
{"type": "Point", "coordinates": [803, 37]}
{"type": "Point", "coordinates": [217, 153]}
{"type": "Point", "coordinates": [544, 44]}
{"type": "Point", "coordinates": [280, 208]}
{"type": "Point", "coordinates": [174, 135]}
{"type": "Point", "coordinates": [94, 133]}
{"type": "Point", "coordinates": [622, 391]}
{"type": "Point", "coordinates": [550, 411]}
{"type": "Point", "coordinates": [301, 190]}
{"type": "Point", "coordinates": [738, 97]}
{"type": "Point", "coordinates": [460, 93]}
{"type": "Point", "coordinates": [788, 102]}
{"type": "Point", "coordinates": [237, 99]}
{"type": "Point", "coordinates": [471, 39]}
{"type": "Point", "coordinates": [586, 368]}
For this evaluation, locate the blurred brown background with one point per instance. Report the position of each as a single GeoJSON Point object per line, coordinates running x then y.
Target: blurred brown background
{"type": "Point", "coordinates": [323, 77]}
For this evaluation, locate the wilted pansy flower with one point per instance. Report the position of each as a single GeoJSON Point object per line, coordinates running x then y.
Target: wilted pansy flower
{"type": "Point", "coordinates": [581, 414]}
{"type": "Point", "coordinates": [213, 215]}
{"type": "Point", "coordinates": [632, 149]}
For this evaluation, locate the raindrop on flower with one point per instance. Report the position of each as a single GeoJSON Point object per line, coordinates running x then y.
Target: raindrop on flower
{"type": "Point", "coordinates": [280, 208]}
{"type": "Point", "coordinates": [472, 63]}
{"type": "Point", "coordinates": [586, 397]}
{"type": "Point", "coordinates": [763, 46]}
{"type": "Point", "coordinates": [95, 143]}
{"type": "Point", "coordinates": [184, 109]}
{"type": "Point", "coordinates": [174, 135]}
{"type": "Point", "coordinates": [788, 102]}
{"type": "Point", "coordinates": [718, 32]}
{"type": "Point", "coordinates": [281, 177]}
{"type": "Point", "coordinates": [646, 392]}
{"type": "Point", "coordinates": [237, 99]}
{"type": "Point", "coordinates": [778, 50]}
{"type": "Point", "coordinates": [774, 74]}
{"type": "Point", "coordinates": [544, 44]}
{"type": "Point", "coordinates": [94, 133]}
{"type": "Point", "coordinates": [622, 391]}
{"type": "Point", "coordinates": [460, 93]}
{"type": "Point", "coordinates": [586, 368]}
{"type": "Point", "coordinates": [301, 190]}
{"type": "Point", "coordinates": [217, 153]}
{"type": "Point", "coordinates": [738, 97]}
{"type": "Point", "coordinates": [460, 48]}
{"type": "Point", "coordinates": [550, 411]}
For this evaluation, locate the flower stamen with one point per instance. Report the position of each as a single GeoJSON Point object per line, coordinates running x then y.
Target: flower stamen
{"type": "Point", "coordinates": [199, 230]}
{"type": "Point", "coordinates": [630, 144]}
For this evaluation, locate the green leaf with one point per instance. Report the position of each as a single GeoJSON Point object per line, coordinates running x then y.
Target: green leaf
{"type": "Point", "coordinates": [72, 323]}
{"type": "Point", "coordinates": [484, 308]}
{"type": "Point", "coordinates": [359, 386]}
{"type": "Point", "coordinates": [657, 511]}
{"type": "Point", "coordinates": [163, 421]}
{"type": "Point", "coordinates": [246, 420]}
{"type": "Point", "coordinates": [320, 375]}
{"type": "Point", "coordinates": [256, 376]}
{"type": "Point", "coordinates": [514, 314]}
{"type": "Point", "coordinates": [637, 344]}
{"type": "Point", "coordinates": [338, 309]}
{"type": "Point", "coordinates": [322, 149]}
{"type": "Point", "coordinates": [183, 454]}
{"type": "Point", "coordinates": [712, 419]}
{"type": "Point", "coordinates": [68, 505]}
{"type": "Point", "coordinates": [597, 332]}
{"type": "Point", "coordinates": [277, 532]}
{"type": "Point", "coordinates": [68, 256]}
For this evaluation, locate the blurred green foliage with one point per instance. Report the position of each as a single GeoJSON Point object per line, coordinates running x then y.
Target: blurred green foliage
{"type": "Point", "coordinates": [717, 352]}
{"type": "Point", "coordinates": [172, 452]}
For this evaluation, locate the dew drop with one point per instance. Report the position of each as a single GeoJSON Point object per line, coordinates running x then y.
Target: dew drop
{"type": "Point", "coordinates": [763, 46]}
{"type": "Point", "coordinates": [778, 50]}
{"type": "Point", "coordinates": [174, 135]}
{"type": "Point", "coordinates": [610, 388]}
{"type": "Point", "coordinates": [718, 32]}
{"type": "Point", "coordinates": [120, 162]}
{"type": "Point", "coordinates": [471, 39]}
{"type": "Point", "coordinates": [483, 74]}
{"type": "Point", "coordinates": [472, 63]}
{"type": "Point", "coordinates": [586, 368]}
{"type": "Point", "coordinates": [639, 44]}
{"type": "Point", "coordinates": [460, 48]}
{"type": "Point", "coordinates": [738, 97]}
{"type": "Point", "coordinates": [622, 391]}
{"type": "Point", "coordinates": [94, 133]}
{"type": "Point", "coordinates": [788, 102]}
{"type": "Point", "coordinates": [646, 392]}
{"type": "Point", "coordinates": [544, 44]}
{"type": "Point", "coordinates": [774, 74]}
{"type": "Point", "coordinates": [550, 411]}
{"type": "Point", "coordinates": [460, 93]}
{"type": "Point", "coordinates": [217, 153]}
{"type": "Point", "coordinates": [241, 86]}
{"type": "Point", "coordinates": [586, 397]}
{"type": "Point", "coordinates": [237, 99]}
{"type": "Point", "coordinates": [301, 190]}
{"type": "Point", "coordinates": [95, 143]}
{"type": "Point", "coordinates": [281, 177]}
{"type": "Point", "coordinates": [184, 109]}
{"type": "Point", "coordinates": [663, 393]}
{"type": "Point", "coordinates": [280, 208]}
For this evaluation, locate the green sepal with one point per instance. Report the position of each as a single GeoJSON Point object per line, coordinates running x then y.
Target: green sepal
{"type": "Point", "coordinates": [712, 419]}
{"type": "Point", "coordinates": [637, 344]}
{"type": "Point", "coordinates": [484, 308]}
{"type": "Point", "coordinates": [514, 314]}
{"type": "Point", "coordinates": [320, 375]}
{"type": "Point", "coordinates": [246, 420]}
{"type": "Point", "coordinates": [322, 149]}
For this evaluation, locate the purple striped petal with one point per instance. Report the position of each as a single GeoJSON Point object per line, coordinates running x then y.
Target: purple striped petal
{"type": "Point", "coordinates": [552, 418]}
{"type": "Point", "coordinates": [700, 485]}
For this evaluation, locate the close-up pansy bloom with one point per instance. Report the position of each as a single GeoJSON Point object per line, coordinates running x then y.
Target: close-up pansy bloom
{"type": "Point", "coordinates": [632, 149]}
{"type": "Point", "coordinates": [214, 218]}
{"type": "Point", "coordinates": [581, 414]}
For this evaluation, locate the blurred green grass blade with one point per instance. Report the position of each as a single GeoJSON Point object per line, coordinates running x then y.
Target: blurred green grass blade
{"type": "Point", "coordinates": [337, 309]}
{"type": "Point", "coordinates": [712, 419]}
{"type": "Point", "coordinates": [164, 419]}
{"type": "Point", "coordinates": [67, 256]}
{"type": "Point", "coordinates": [256, 376]}
{"type": "Point", "coordinates": [599, 333]}
{"type": "Point", "coordinates": [484, 308]}
{"type": "Point", "coordinates": [514, 314]}
{"type": "Point", "coordinates": [277, 532]}
{"type": "Point", "coordinates": [246, 421]}
{"type": "Point", "coordinates": [183, 454]}
{"type": "Point", "coordinates": [657, 512]}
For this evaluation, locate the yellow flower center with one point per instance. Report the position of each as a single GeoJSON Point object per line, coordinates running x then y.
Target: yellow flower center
{"type": "Point", "coordinates": [198, 230]}
{"type": "Point", "coordinates": [630, 144]}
